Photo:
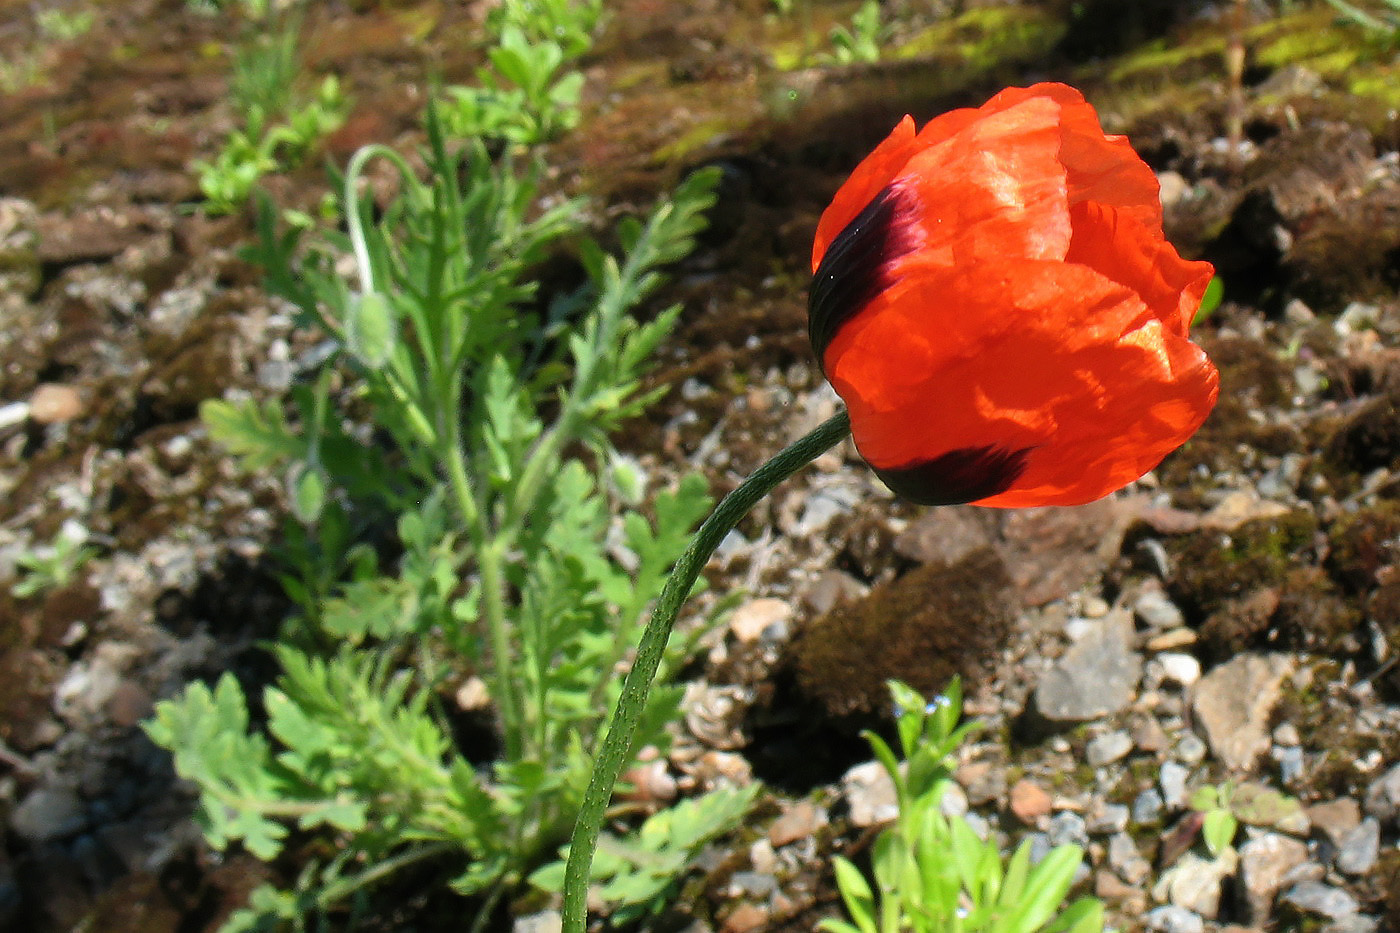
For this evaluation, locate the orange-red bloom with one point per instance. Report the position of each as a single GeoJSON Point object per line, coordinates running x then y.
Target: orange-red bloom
{"type": "Point", "coordinates": [996, 303]}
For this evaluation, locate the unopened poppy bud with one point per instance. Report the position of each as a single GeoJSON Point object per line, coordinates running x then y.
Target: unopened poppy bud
{"type": "Point", "coordinates": [996, 302]}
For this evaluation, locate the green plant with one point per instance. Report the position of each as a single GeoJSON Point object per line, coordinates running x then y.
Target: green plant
{"type": "Point", "coordinates": [276, 129]}
{"type": "Point", "coordinates": [517, 563]}
{"type": "Point", "coordinates": [522, 98]}
{"type": "Point", "coordinates": [569, 23]}
{"type": "Point", "coordinates": [1385, 20]}
{"type": "Point", "coordinates": [639, 870]}
{"type": "Point", "coordinates": [52, 565]}
{"type": "Point", "coordinates": [64, 25]}
{"type": "Point", "coordinates": [1219, 824]}
{"type": "Point", "coordinates": [932, 873]}
{"type": "Point", "coordinates": [864, 40]}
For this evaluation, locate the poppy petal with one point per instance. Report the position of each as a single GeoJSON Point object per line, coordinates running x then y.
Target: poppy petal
{"type": "Point", "coordinates": [871, 176]}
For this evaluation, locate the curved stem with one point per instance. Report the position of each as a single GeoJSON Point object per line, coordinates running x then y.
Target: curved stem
{"type": "Point", "coordinates": [612, 754]}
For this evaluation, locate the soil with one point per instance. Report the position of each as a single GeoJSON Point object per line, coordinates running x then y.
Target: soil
{"type": "Point", "coordinates": [1274, 530]}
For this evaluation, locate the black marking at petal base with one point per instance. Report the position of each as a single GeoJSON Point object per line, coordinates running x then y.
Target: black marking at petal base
{"type": "Point", "coordinates": [854, 268]}
{"type": "Point", "coordinates": [963, 475]}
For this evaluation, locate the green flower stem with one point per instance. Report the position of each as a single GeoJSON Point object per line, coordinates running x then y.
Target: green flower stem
{"type": "Point", "coordinates": [613, 752]}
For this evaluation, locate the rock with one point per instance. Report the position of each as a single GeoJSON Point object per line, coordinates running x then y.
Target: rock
{"type": "Point", "coordinates": [1068, 828]}
{"type": "Point", "coordinates": [1172, 779]}
{"type": "Point", "coordinates": [1029, 801]}
{"type": "Point", "coordinates": [832, 588]}
{"type": "Point", "coordinates": [1264, 862]}
{"type": "Point", "coordinates": [546, 921]}
{"type": "Point", "coordinates": [745, 919]}
{"type": "Point", "coordinates": [1356, 923]}
{"type": "Point", "coordinates": [1335, 818]}
{"type": "Point", "coordinates": [1147, 807]}
{"type": "Point", "coordinates": [870, 794]}
{"type": "Point", "coordinates": [1173, 919]}
{"type": "Point", "coordinates": [1106, 818]}
{"type": "Point", "coordinates": [1155, 610]}
{"type": "Point", "coordinates": [1194, 882]}
{"type": "Point", "coordinates": [1108, 748]}
{"type": "Point", "coordinates": [87, 237]}
{"type": "Point", "coordinates": [943, 536]}
{"type": "Point", "coordinates": [982, 781]}
{"type": "Point", "coordinates": [1286, 733]}
{"type": "Point", "coordinates": [49, 812]}
{"type": "Point", "coordinates": [761, 619]}
{"type": "Point", "coordinates": [1125, 858]}
{"type": "Point", "coordinates": [1053, 552]}
{"type": "Point", "coordinates": [1232, 704]}
{"type": "Point", "coordinates": [1148, 734]}
{"type": "Point", "coordinates": [1290, 762]}
{"type": "Point", "coordinates": [800, 821]}
{"type": "Point", "coordinates": [1383, 796]}
{"type": "Point", "coordinates": [1359, 849]}
{"type": "Point", "coordinates": [1236, 508]}
{"type": "Point", "coordinates": [128, 704]}
{"type": "Point", "coordinates": [1314, 897]}
{"type": "Point", "coordinates": [1173, 638]}
{"type": "Point", "coordinates": [1098, 676]}
{"type": "Point", "coordinates": [55, 403]}
{"type": "Point", "coordinates": [1179, 668]}
{"type": "Point", "coordinates": [1190, 749]}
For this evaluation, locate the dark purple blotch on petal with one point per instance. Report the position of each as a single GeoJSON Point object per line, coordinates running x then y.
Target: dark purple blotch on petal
{"type": "Point", "coordinates": [855, 268]}
{"type": "Point", "coordinates": [959, 476]}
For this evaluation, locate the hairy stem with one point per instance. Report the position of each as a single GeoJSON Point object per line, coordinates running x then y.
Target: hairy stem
{"type": "Point", "coordinates": [614, 751]}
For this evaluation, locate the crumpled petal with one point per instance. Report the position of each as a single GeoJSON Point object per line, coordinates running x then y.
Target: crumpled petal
{"type": "Point", "coordinates": [1010, 326]}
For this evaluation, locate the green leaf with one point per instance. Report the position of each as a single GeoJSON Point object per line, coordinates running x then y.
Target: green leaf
{"type": "Point", "coordinates": [254, 432]}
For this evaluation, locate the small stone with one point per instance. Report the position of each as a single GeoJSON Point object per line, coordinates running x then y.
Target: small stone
{"type": "Point", "coordinates": [1106, 818]}
{"type": "Point", "coordinates": [1125, 858]}
{"type": "Point", "coordinates": [1190, 749]}
{"type": "Point", "coordinates": [1179, 668]}
{"type": "Point", "coordinates": [1290, 762]}
{"type": "Point", "coordinates": [1148, 734]}
{"type": "Point", "coordinates": [1147, 807]}
{"type": "Point", "coordinates": [1314, 897]}
{"type": "Point", "coordinates": [128, 704]}
{"type": "Point", "coordinates": [55, 403]}
{"type": "Point", "coordinates": [761, 619]}
{"type": "Point", "coordinates": [1157, 613]}
{"type": "Point", "coordinates": [943, 536]}
{"type": "Point", "coordinates": [1233, 703]}
{"type": "Point", "coordinates": [546, 921]}
{"type": "Point", "coordinates": [1029, 801]}
{"type": "Point", "coordinates": [745, 919]}
{"type": "Point", "coordinates": [1172, 639]}
{"type": "Point", "coordinates": [1194, 882]}
{"type": "Point", "coordinates": [1264, 863]}
{"type": "Point", "coordinates": [982, 782]}
{"type": "Point", "coordinates": [800, 821]}
{"type": "Point", "coordinates": [1068, 829]}
{"type": "Point", "coordinates": [48, 813]}
{"type": "Point", "coordinates": [870, 794]}
{"type": "Point", "coordinates": [1383, 796]}
{"type": "Point", "coordinates": [1108, 748]}
{"type": "Point", "coordinates": [1286, 733]}
{"type": "Point", "coordinates": [1098, 676]}
{"type": "Point", "coordinates": [1335, 818]}
{"type": "Point", "coordinates": [832, 588]}
{"type": "Point", "coordinates": [1173, 919]}
{"type": "Point", "coordinates": [1172, 780]}
{"type": "Point", "coordinates": [1359, 849]}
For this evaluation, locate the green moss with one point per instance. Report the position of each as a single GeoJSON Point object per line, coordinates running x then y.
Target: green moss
{"type": "Point", "coordinates": [986, 37]}
{"type": "Point", "coordinates": [1165, 59]}
{"type": "Point", "coordinates": [1216, 568]}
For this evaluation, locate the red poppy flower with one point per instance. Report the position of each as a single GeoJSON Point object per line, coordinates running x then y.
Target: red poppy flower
{"type": "Point", "coordinates": [996, 303]}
